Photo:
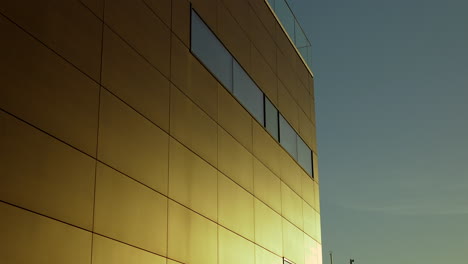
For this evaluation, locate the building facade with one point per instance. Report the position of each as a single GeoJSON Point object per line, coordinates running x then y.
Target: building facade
{"type": "Point", "coordinates": [156, 131]}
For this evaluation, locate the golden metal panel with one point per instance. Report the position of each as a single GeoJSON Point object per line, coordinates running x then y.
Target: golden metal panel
{"type": "Point", "coordinates": [293, 243]}
{"type": "Point", "coordinates": [234, 160]}
{"type": "Point", "coordinates": [234, 118]}
{"type": "Point", "coordinates": [193, 127]}
{"type": "Point", "coordinates": [308, 193]}
{"type": "Point", "coordinates": [192, 181]}
{"type": "Point", "coordinates": [181, 20]}
{"type": "Point", "coordinates": [286, 74]}
{"type": "Point", "coordinates": [263, 256]}
{"type": "Point", "coordinates": [317, 197]}
{"type": "Point", "coordinates": [286, 47]}
{"type": "Point", "coordinates": [310, 224]}
{"type": "Point", "coordinates": [312, 109]}
{"type": "Point", "coordinates": [267, 224]}
{"type": "Point", "coordinates": [314, 138]}
{"type": "Point", "coordinates": [302, 75]}
{"type": "Point", "coordinates": [191, 77]}
{"type": "Point", "coordinates": [132, 144]}
{"type": "Point", "coordinates": [291, 206]}
{"type": "Point", "coordinates": [265, 148]}
{"type": "Point", "coordinates": [54, 97]}
{"type": "Point", "coordinates": [265, 15]}
{"type": "Point", "coordinates": [287, 106]}
{"type": "Point", "coordinates": [310, 83]}
{"type": "Point", "coordinates": [131, 78]}
{"type": "Point", "coordinates": [239, 10]}
{"type": "Point", "coordinates": [170, 261]}
{"type": "Point", "coordinates": [290, 172]}
{"type": "Point", "coordinates": [264, 76]}
{"type": "Point", "coordinates": [162, 9]}
{"type": "Point", "coordinates": [316, 174]}
{"type": "Point", "coordinates": [305, 128]}
{"type": "Point", "coordinates": [44, 175]}
{"type": "Point", "coordinates": [234, 249]}
{"type": "Point", "coordinates": [235, 207]}
{"type": "Point", "coordinates": [318, 228]}
{"type": "Point", "coordinates": [67, 27]}
{"type": "Point", "coordinates": [136, 23]}
{"type": "Point", "coordinates": [267, 186]}
{"type": "Point", "coordinates": [205, 9]}
{"type": "Point", "coordinates": [261, 39]}
{"type": "Point", "coordinates": [106, 251]}
{"type": "Point", "coordinates": [129, 212]}
{"type": "Point", "coordinates": [303, 98]}
{"type": "Point", "coordinates": [192, 238]}
{"type": "Point", "coordinates": [203, 88]}
{"type": "Point", "coordinates": [233, 37]}
{"type": "Point", "coordinates": [319, 253]}
{"type": "Point", "coordinates": [31, 238]}
{"type": "Point", "coordinates": [96, 6]}
{"type": "Point", "coordinates": [310, 251]}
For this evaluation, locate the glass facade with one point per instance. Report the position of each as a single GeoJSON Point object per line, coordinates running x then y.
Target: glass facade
{"type": "Point", "coordinates": [292, 27]}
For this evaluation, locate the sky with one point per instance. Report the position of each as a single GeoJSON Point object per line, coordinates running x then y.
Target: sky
{"type": "Point", "coordinates": [391, 93]}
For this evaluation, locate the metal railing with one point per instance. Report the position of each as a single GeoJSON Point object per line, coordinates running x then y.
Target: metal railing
{"type": "Point", "coordinates": [293, 28]}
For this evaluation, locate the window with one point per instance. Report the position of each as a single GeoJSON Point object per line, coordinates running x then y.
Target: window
{"type": "Point", "coordinates": [217, 59]}
{"type": "Point", "coordinates": [288, 137]}
{"type": "Point", "coordinates": [304, 156]}
{"type": "Point", "coordinates": [247, 92]}
{"type": "Point", "coordinates": [211, 52]}
{"type": "Point", "coordinates": [271, 118]}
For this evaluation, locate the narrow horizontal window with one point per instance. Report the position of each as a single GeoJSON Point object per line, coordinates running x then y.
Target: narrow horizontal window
{"type": "Point", "coordinates": [288, 137]}
{"type": "Point", "coordinates": [217, 59]}
{"type": "Point", "coordinates": [210, 51]}
{"type": "Point", "coordinates": [271, 118]}
{"type": "Point", "coordinates": [247, 92]}
{"type": "Point", "coordinates": [304, 156]}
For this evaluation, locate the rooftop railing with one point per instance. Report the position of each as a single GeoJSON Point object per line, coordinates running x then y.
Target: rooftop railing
{"type": "Point", "coordinates": [293, 28]}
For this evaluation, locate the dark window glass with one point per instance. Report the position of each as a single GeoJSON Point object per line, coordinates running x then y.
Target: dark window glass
{"type": "Point", "coordinates": [304, 156]}
{"type": "Point", "coordinates": [211, 52]}
{"type": "Point", "coordinates": [288, 137]}
{"type": "Point", "coordinates": [248, 93]}
{"type": "Point", "coordinates": [271, 118]}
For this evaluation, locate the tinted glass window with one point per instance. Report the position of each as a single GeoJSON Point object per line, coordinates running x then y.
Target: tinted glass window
{"type": "Point", "coordinates": [304, 156]}
{"type": "Point", "coordinates": [248, 93]}
{"type": "Point", "coordinates": [271, 118]}
{"type": "Point", "coordinates": [288, 137]}
{"type": "Point", "coordinates": [211, 52]}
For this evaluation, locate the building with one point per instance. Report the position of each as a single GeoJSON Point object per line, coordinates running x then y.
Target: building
{"type": "Point", "coordinates": [156, 131]}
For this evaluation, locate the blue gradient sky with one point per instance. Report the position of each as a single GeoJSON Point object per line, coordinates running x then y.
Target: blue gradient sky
{"type": "Point", "coordinates": [391, 82]}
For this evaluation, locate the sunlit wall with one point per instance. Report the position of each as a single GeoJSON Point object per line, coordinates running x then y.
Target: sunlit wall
{"type": "Point", "coordinates": [120, 145]}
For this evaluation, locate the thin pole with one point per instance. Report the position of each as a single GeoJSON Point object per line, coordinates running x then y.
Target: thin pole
{"type": "Point", "coordinates": [331, 257]}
